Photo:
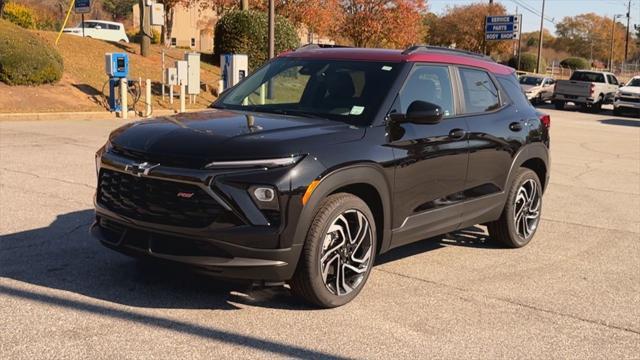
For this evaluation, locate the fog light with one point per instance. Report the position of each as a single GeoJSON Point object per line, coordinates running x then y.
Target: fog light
{"type": "Point", "coordinates": [264, 194]}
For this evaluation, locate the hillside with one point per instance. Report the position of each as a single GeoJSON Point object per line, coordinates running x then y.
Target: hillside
{"type": "Point", "coordinates": [81, 85]}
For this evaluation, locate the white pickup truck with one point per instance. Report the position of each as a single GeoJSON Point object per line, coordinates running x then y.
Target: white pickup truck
{"type": "Point", "coordinates": [589, 89]}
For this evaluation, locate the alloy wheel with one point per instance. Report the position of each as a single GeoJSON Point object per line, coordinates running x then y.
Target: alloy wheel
{"type": "Point", "coordinates": [346, 252]}
{"type": "Point", "coordinates": [527, 209]}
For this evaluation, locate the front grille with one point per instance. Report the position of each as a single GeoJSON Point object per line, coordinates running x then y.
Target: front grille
{"type": "Point", "coordinates": [630, 99]}
{"type": "Point", "coordinates": [157, 201]}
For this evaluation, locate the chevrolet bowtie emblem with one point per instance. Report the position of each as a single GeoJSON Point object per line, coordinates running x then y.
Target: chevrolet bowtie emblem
{"type": "Point", "coordinates": [140, 169]}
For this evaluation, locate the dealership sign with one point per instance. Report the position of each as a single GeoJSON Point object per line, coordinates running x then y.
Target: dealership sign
{"type": "Point", "coordinates": [506, 27]}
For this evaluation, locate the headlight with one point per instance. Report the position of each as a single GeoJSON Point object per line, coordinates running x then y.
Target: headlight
{"type": "Point", "coordinates": [259, 163]}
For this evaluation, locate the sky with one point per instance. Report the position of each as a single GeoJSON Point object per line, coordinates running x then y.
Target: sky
{"type": "Point", "coordinates": [554, 9]}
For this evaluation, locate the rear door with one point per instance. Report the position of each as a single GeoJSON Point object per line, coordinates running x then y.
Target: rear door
{"type": "Point", "coordinates": [497, 130]}
{"type": "Point", "coordinates": [431, 159]}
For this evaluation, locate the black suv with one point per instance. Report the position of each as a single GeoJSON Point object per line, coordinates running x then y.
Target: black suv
{"type": "Point", "coordinates": [321, 160]}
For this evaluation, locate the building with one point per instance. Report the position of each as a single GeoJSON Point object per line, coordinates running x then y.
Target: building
{"type": "Point", "coordinates": [192, 27]}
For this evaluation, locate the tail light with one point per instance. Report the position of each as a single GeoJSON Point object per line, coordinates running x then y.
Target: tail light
{"type": "Point", "coordinates": [545, 120]}
{"type": "Point", "coordinates": [592, 89]}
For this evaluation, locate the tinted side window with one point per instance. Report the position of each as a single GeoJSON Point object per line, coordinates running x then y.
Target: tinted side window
{"type": "Point", "coordinates": [612, 80]}
{"type": "Point", "coordinates": [113, 27]}
{"type": "Point", "coordinates": [512, 90]}
{"type": "Point", "coordinates": [480, 93]}
{"type": "Point", "coordinates": [431, 84]}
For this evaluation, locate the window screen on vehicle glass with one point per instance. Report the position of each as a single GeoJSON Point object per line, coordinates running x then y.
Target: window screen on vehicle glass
{"type": "Point", "coordinates": [431, 84]}
{"type": "Point", "coordinates": [480, 93]}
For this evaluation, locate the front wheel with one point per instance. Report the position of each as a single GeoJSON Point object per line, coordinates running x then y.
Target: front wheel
{"type": "Point", "coordinates": [559, 104]}
{"type": "Point", "coordinates": [338, 254]}
{"type": "Point", "coordinates": [521, 215]}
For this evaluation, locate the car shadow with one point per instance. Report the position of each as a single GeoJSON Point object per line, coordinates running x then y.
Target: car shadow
{"type": "Point", "coordinates": [65, 256]}
{"type": "Point", "coordinates": [621, 122]}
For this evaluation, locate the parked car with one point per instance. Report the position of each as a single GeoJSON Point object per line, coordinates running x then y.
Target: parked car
{"type": "Point", "coordinates": [628, 97]}
{"type": "Point", "coordinates": [589, 89]}
{"type": "Point", "coordinates": [98, 29]}
{"type": "Point", "coordinates": [538, 89]}
{"type": "Point", "coordinates": [351, 153]}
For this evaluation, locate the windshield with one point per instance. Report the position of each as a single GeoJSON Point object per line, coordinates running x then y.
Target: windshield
{"type": "Point", "coordinates": [588, 77]}
{"type": "Point", "coordinates": [635, 82]}
{"type": "Point", "coordinates": [530, 80]}
{"type": "Point", "coordinates": [348, 91]}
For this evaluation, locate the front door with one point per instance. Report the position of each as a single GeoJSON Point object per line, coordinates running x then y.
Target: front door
{"type": "Point", "coordinates": [431, 159]}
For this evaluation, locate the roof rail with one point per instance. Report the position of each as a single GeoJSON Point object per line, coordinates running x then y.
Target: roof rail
{"type": "Point", "coordinates": [416, 48]}
{"type": "Point", "coordinates": [318, 46]}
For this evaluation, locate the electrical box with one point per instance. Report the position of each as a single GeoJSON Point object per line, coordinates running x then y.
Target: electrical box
{"type": "Point", "coordinates": [171, 76]}
{"type": "Point", "coordinates": [193, 73]}
{"type": "Point", "coordinates": [235, 67]}
{"type": "Point", "coordinates": [116, 65]}
{"type": "Point", "coordinates": [157, 14]}
{"type": "Point", "coordinates": [182, 67]}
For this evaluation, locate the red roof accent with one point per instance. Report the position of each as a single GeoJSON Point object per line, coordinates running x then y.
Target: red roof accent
{"type": "Point", "coordinates": [386, 55]}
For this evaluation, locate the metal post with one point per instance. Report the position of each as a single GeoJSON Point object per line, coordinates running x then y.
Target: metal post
{"type": "Point", "coordinates": [171, 94]}
{"type": "Point", "coordinates": [148, 98]}
{"type": "Point", "coordinates": [538, 62]}
{"type": "Point", "coordinates": [272, 29]}
{"type": "Point", "coordinates": [613, 28]}
{"type": "Point", "coordinates": [182, 97]}
{"type": "Point", "coordinates": [164, 75]}
{"type": "Point", "coordinates": [124, 107]}
{"type": "Point", "coordinates": [82, 24]}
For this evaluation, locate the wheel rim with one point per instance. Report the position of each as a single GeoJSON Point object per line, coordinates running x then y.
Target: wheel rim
{"type": "Point", "coordinates": [527, 209]}
{"type": "Point", "coordinates": [346, 252]}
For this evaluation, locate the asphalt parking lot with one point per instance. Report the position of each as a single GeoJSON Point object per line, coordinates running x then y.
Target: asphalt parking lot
{"type": "Point", "coordinates": [574, 292]}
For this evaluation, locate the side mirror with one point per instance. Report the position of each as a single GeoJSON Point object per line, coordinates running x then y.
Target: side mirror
{"type": "Point", "coordinates": [420, 112]}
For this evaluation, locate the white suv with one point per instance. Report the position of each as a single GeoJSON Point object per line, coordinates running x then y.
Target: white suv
{"type": "Point", "coordinates": [627, 97]}
{"type": "Point", "coordinates": [98, 29]}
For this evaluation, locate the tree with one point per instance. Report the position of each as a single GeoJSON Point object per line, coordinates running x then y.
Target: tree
{"type": "Point", "coordinates": [119, 9]}
{"type": "Point", "coordinates": [1, 7]}
{"type": "Point", "coordinates": [589, 36]}
{"type": "Point", "coordinates": [462, 26]}
{"type": "Point", "coordinates": [382, 23]}
{"type": "Point", "coordinates": [319, 16]}
{"type": "Point", "coordinates": [531, 39]}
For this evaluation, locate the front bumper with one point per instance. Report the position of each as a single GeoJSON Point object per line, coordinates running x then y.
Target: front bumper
{"type": "Point", "coordinates": [618, 103]}
{"type": "Point", "coordinates": [205, 255]}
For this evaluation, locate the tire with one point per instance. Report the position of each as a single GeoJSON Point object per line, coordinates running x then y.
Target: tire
{"type": "Point", "coordinates": [596, 107]}
{"type": "Point", "coordinates": [507, 229]}
{"type": "Point", "coordinates": [318, 281]}
{"type": "Point", "coordinates": [617, 111]}
{"type": "Point", "coordinates": [559, 104]}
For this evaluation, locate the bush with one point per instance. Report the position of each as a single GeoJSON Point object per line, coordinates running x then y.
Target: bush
{"type": "Point", "coordinates": [135, 37]}
{"type": "Point", "coordinates": [20, 15]}
{"type": "Point", "coordinates": [528, 62]}
{"type": "Point", "coordinates": [246, 32]}
{"type": "Point", "coordinates": [26, 59]}
{"type": "Point", "coordinates": [575, 63]}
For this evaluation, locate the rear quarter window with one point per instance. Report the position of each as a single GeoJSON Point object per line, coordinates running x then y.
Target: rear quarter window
{"type": "Point", "coordinates": [513, 91]}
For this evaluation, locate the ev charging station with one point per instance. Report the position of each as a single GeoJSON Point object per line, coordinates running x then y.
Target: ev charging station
{"type": "Point", "coordinates": [234, 67]}
{"type": "Point", "coordinates": [116, 66]}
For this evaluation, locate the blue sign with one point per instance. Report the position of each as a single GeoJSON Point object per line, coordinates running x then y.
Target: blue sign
{"type": "Point", "coordinates": [500, 27]}
{"type": "Point", "coordinates": [82, 6]}
{"type": "Point", "coordinates": [504, 27]}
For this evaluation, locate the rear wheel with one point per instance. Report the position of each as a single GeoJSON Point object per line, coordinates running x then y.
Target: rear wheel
{"type": "Point", "coordinates": [596, 107]}
{"type": "Point", "coordinates": [617, 111]}
{"type": "Point", "coordinates": [559, 104]}
{"type": "Point", "coordinates": [338, 254]}
{"type": "Point", "coordinates": [521, 215]}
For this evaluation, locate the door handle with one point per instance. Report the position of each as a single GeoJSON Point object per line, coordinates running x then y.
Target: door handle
{"type": "Point", "coordinates": [515, 126]}
{"type": "Point", "coordinates": [457, 134]}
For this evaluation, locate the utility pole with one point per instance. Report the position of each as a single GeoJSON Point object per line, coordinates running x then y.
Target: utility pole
{"type": "Point", "coordinates": [613, 28]}
{"type": "Point", "coordinates": [626, 41]}
{"type": "Point", "coordinates": [484, 41]}
{"type": "Point", "coordinates": [145, 28]}
{"type": "Point", "coordinates": [244, 5]}
{"type": "Point", "coordinates": [540, 39]}
{"type": "Point", "coordinates": [519, 53]}
{"type": "Point", "coordinates": [272, 29]}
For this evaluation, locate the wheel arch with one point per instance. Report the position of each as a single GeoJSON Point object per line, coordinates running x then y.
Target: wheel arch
{"type": "Point", "coordinates": [532, 156]}
{"type": "Point", "coordinates": [368, 182]}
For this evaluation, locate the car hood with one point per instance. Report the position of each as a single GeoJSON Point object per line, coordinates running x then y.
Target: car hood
{"type": "Point", "coordinates": [530, 88]}
{"type": "Point", "coordinates": [635, 90]}
{"type": "Point", "coordinates": [198, 138]}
